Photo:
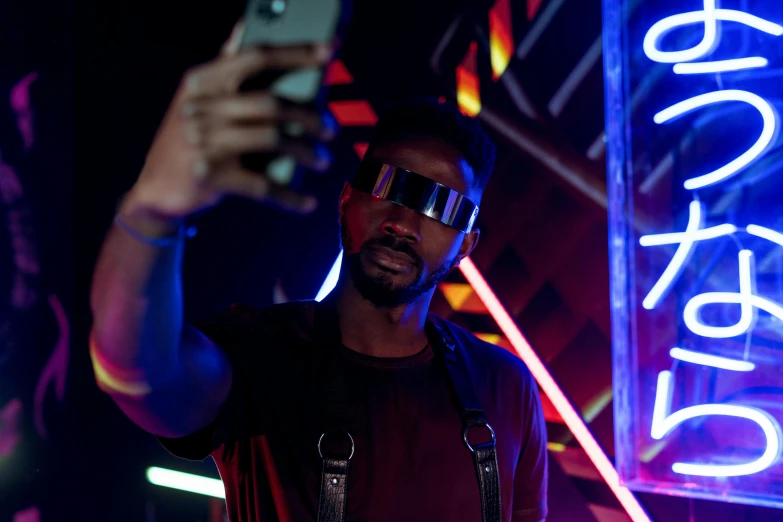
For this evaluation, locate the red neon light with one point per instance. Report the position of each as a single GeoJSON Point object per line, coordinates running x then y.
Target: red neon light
{"type": "Point", "coordinates": [468, 95]}
{"type": "Point", "coordinates": [501, 40]}
{"type": "Point", "coordinates": [337, 74]}
{"type": "Point", "coordinates": [532, 8]}
{"type": "Point", "coordinates": [570, 415]}
{"type": "Point", "coordinates": [360, 149]}
{"type": "Point", "coordinates": [353, 113]}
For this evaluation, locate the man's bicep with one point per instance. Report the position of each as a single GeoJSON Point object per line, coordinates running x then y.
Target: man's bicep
{"type": "Point", "coordinates": [227, 408]}
{"type": "Point", "coordinates": [192, 398]}
{"type": "Point", "coordinates": [531, 475]}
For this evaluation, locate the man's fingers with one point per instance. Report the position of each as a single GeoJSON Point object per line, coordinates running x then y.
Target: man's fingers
{"type": "Point", "coordinates": [263, 107]}
{"type": "Point", "coordinates": [295, 56]}
{"type": "Point", "coordinates": [254, 186]}
{"type": "Point", "coordinates": [240, 107]}
{"type": "Point", "coordinates": [231, 47]}
{"type": "Point", "coordinates": [226, 74]}
{"type": "Point", "coordinates": [221, 143]}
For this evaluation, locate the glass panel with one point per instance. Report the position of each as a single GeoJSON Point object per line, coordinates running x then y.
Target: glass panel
{"type": "Point", "coordinates": [694, 90]}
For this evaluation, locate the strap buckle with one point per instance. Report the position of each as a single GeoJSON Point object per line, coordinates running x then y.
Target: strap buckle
{"type": "Point", "coordinates": [485, 424]}
{"type": "Point", "coordinates": [353, 446]}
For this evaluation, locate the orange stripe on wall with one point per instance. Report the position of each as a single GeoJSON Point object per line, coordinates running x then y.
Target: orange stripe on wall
{"type": "Point", "coordinates": [468, 94]}
{"type": "Point", "coordinates": [353, 113]}
{"type": "Point", "coordinates": [501, 39]}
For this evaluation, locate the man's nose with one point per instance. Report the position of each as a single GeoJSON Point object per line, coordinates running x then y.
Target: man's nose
{"type": "Point", "coordinates": [402, 222]}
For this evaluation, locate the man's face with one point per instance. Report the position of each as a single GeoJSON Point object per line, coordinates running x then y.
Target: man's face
{"type": "Point", "coordinates": [395, 255]}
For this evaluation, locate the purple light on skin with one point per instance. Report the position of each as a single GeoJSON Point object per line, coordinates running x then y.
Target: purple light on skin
{"type": "Point", "coordinates": [56, 368]}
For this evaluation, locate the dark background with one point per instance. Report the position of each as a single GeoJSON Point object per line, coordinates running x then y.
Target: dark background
{"type": "Point", "coordinates": [106, 73]}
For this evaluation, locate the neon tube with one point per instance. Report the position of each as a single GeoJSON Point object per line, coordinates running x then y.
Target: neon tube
{"type": "Point", "coordinates": [331, 279]}
{"type": "Point", "coordinates": [711, 360]}
{"type": "Point", "coordinates": [765, 233]}
{"type": "Point", "coordinates": [719, 66]}
{"type": "Point", "coordinates": [709, 17]}
{"type": "Point", "coordinates": [169, 478]}
{"type": "Point", "coordinates": [665, 422]}
{"type": "Point", "coordinates": [681, 256]}
{"type": "Point", "coordinates": [767, 136]}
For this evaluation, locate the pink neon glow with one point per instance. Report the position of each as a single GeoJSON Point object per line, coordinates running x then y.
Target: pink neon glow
{"type": "Point", "coordinates": [10, 186]}
{"type": "Point", "coordinates": [56, 368]}
{"type": "Point", "coordinates": [20, 101]}
{"type": "Point", "coordinates": [23, 250]}
{"type": "Point", "coordinates": [570, 416]}
{"type": "Point", "coordinates": [10, 426]}
{"type": "Point", "coordinates": [31, 514]}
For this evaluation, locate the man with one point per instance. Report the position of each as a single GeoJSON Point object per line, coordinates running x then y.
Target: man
{"type": "Point", "coordinates": [358, 408]}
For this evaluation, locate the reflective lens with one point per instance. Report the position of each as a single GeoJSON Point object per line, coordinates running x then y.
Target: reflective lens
{"type": "Point", "coordinates": [416, 192]}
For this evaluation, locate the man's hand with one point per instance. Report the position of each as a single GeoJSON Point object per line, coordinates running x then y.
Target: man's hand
{"type": "Point", "coordinates": [194, 160]}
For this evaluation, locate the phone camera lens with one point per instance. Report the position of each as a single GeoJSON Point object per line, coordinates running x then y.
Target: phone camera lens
{"type": "Point", "coordinates": [271, 10]}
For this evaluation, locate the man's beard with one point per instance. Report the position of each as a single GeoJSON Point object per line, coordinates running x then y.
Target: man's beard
{"type": "Point", "coordinates": [379, 289]}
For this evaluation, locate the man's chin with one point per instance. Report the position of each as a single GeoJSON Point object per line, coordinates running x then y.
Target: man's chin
{"type": "Point", "coordinates": [384, 289]}
{"type": "Point", "coordinates": [380, 285]}
{"type": "Point", "coordinates": [385, 276]}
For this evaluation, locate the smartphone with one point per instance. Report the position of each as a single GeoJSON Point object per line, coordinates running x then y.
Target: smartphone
{"type": "Point", "coordinates": [290, 22]}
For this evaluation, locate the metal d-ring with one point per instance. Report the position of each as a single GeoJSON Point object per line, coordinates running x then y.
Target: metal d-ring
{"type": "Point", "coordinates": [353, 446]}
{"type": "Point", "coordinates": [465, 434]}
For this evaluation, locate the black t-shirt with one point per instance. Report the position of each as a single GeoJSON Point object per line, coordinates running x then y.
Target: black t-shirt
{"type": "Point", "coordinates": [410, 462]}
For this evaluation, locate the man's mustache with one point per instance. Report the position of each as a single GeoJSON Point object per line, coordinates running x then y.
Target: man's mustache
{"type": "Point", "coordinates": [393, 243]}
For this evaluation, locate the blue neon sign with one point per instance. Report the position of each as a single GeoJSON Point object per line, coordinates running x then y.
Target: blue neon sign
{"type": "Point", "coordinates": [694, 90]}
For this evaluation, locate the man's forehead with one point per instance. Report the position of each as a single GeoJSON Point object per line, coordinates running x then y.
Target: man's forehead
{"type": "Point", "coordinates": [429, 156]}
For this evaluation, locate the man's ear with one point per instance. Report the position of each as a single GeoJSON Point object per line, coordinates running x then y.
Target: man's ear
{"type": "Point", "coordinates": [469, 242]}
{"type": "Point", "coordinates": [345, 195]}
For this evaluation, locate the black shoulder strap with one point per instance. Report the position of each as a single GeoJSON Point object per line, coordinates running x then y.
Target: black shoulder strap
{"type": "Point", "coordinates": [484, 454]}
{"type": "Point", "coordinates": [329, 374]}
{"type": "Point", "coordinates": [330, 371]}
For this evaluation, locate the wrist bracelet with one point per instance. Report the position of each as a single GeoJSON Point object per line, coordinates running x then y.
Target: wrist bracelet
{"type": "Point", "coordinates": [184, 232]}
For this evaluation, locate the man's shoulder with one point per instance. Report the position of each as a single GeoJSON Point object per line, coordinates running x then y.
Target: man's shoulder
{"type": "Point", "coordinates": [482, 353]}
{"type": "Point", "coordinates": [244, 318]}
